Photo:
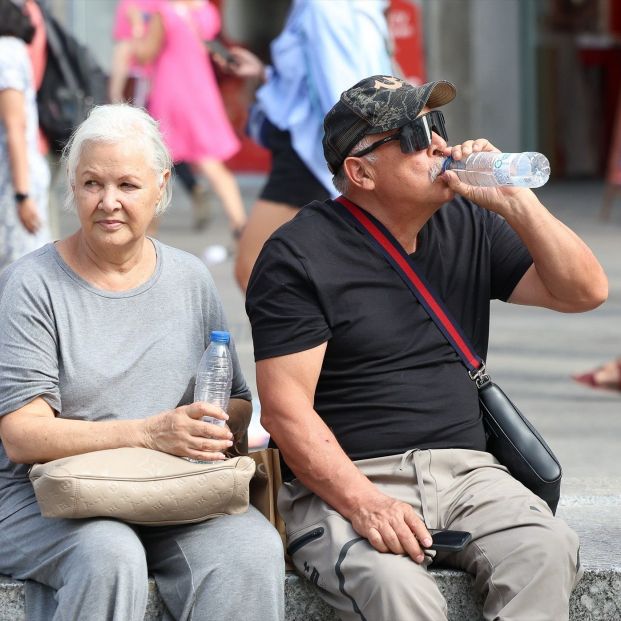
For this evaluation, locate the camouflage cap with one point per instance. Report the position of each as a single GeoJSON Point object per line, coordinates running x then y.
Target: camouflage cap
{"type": "Point", "coordinates": [375, 105]}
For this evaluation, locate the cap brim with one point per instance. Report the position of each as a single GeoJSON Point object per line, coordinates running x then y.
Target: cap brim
{"type": "Point", "coordinates": [442, 92]}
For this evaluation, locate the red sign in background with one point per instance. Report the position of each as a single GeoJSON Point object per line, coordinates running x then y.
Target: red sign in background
{"type": "Point", "coordinates": [405, 24]}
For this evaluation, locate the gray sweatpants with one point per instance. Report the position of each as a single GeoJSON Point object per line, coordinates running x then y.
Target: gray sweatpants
{"type": "Point", "coordinates": [524, 560]}
{"type": "Point", "coordinates": [230, 567]}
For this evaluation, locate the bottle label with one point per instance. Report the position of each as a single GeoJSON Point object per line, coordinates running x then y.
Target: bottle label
{"type": "Point", "coordinates": [485, 169]}
{"type": "Point", "coordinates": [502, 169]}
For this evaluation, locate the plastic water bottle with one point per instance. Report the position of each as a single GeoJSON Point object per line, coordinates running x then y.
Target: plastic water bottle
{"type": "Point", "coordinates": [486, 169]}
{"type": "Point", "coordinates": [214, 375]}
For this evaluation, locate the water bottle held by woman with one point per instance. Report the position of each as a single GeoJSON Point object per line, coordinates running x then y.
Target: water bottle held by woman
{"type": "Point", "coordinates": [488, 168]}
{"type": "Point", "coordinates": [215, 374]}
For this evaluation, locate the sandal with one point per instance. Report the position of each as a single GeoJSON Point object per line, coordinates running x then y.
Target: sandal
{"type": "Point", "coordinates": [592, 380]}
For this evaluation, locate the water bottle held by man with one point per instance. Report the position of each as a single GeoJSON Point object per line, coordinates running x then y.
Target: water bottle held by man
{"type": "Point", "coordinates": [215, 374]}
{"type": "Point", "coordinates": [487, 169]}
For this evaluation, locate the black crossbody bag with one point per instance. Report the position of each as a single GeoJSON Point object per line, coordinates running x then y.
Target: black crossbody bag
{"type": "Point", "coordinates": [511, 438]}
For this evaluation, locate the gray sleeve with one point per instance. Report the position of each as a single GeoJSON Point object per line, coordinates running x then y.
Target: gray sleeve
{"type": "Point", "coordinates": [28, 345]}
{"type": "Point", "coordinates": [239, 389]}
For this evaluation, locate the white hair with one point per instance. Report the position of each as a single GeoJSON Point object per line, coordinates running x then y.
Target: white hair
{"type": "Point", "coordinates": [117, 124]}
{"type": "Point", "coordinates": [340, 179]}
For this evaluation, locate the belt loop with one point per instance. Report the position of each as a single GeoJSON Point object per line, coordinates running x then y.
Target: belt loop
{"type": "Point", "coordinates": [405, 457]}
{"type": "Point", "coordinates": [416, 455]}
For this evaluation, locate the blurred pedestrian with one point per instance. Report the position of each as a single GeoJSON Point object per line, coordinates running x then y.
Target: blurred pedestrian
{"type": "Point", "coordinates": [184, 95]}
{"type": "Point", "coordinates": [24, 181]}
{"type": "Point", "coordinates": [131, 81]}
{"type": "Point", "coordinates": [324, 48]}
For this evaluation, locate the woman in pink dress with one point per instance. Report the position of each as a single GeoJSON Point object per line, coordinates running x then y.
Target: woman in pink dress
{"type": "Point", "coordinates": [185, 98]}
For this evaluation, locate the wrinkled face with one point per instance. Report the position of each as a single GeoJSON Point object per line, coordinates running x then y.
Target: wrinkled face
{"type": "Point", "coordinates": [116, 192]}
{"type": "Point", "coordinates": [410, 176]}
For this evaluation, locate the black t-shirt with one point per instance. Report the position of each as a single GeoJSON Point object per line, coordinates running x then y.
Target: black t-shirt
{"type": "Point", "coordinates": [390, 381]}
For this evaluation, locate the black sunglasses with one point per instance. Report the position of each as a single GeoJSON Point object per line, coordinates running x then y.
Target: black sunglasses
{"type": "Point", "coordinates": [415, 136]}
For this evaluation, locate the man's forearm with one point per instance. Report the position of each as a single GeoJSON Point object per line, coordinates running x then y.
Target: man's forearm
{"type": "Point", "coordinates": [564, 263]}
{"type": "Point", "coordinates": [318, 461]}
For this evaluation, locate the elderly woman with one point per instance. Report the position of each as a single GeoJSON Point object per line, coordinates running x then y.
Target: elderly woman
{"type": "Point", "coordinates": [100, 335]}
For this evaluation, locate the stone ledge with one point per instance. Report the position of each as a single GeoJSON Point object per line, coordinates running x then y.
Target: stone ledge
{"type": "Point", "coordinates": [303, 602]}
{"type": "Point", "coordinates": [597, 598]}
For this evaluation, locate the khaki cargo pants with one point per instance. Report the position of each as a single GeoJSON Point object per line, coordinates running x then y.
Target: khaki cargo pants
{"type": "Point", "coordinates": [524, 560]}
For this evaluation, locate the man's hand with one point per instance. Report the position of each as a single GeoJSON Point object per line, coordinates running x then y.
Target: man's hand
{"type": "Point", "coordinates": [181, 432]}
{"type": "Point", "coordinates": [392, 526]}
{"type": "Point", "coordinates": [492, 198]}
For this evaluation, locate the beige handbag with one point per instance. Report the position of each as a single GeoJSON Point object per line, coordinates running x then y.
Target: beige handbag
{"type": "Point", "coordinates": [264, 492]}
{"type": "Point", "coordinates": [265, 485]}
{"type": "Point", "coordinates": [141, 486]}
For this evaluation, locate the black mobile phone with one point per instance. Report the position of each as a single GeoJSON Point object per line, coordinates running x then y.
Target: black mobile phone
{"type": "Point", "coordinates": [449, 540]}
{"type": "Point", "coordinates": [217, 47]}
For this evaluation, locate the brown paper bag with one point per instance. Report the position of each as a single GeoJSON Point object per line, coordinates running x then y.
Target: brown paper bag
{"type": "Point", "coordinates": [264, 488]}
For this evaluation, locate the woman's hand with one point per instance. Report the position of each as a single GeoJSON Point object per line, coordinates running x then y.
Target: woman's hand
{"type": "Point", "coordinates": [245, 64]}
{"type": "Point", "coordinates": [181, 432]}
{"type": "Point", "coordinates": [28, 215]}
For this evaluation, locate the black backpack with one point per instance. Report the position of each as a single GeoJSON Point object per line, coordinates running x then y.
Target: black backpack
{"type": "Point", "coordinates": [72, 84]}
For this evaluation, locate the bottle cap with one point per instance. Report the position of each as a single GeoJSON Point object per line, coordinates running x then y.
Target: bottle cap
{"type": "Point", "coordinates": [220, 336]}
{"type": "Point", "coordinates": [447, 162]}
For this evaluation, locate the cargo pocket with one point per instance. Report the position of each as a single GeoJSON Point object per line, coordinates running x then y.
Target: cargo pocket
{"type": "Point", "coordinates": [309, 554]}
{"type": "Point", "coordinates": [299, 542]}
